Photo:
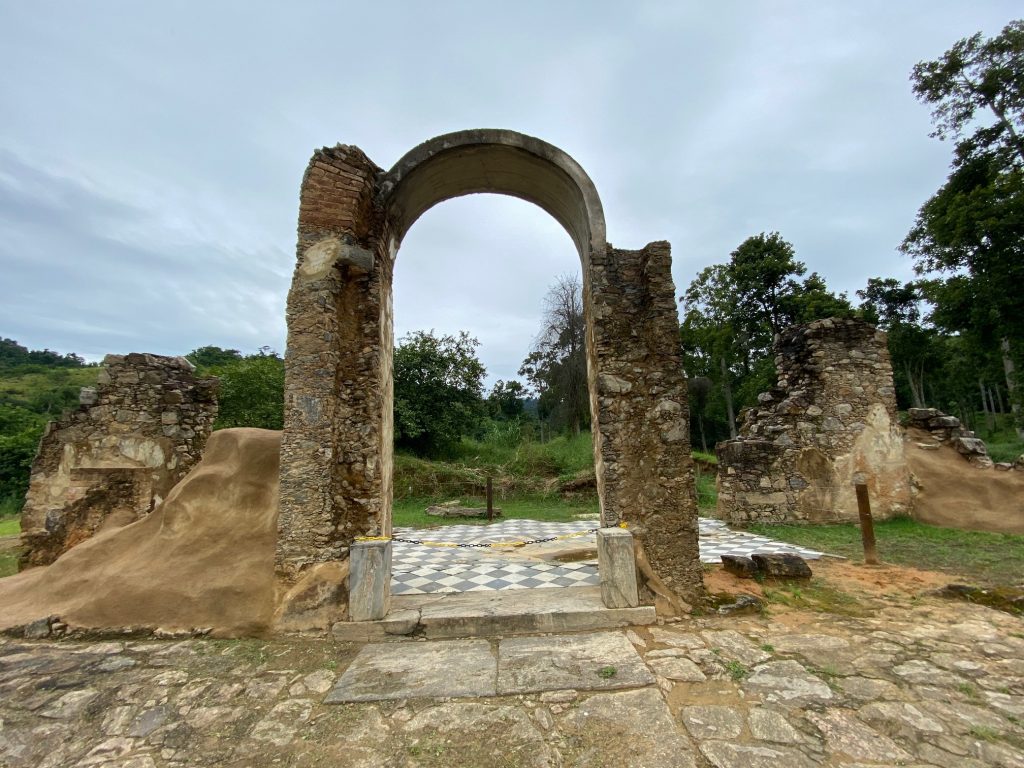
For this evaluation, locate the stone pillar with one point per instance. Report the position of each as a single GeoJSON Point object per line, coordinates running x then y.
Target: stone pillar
{"type": "Point", "coordinates": [616, 564]}
{"type": "Point", "coordinates": [337, 374]}
{"type": "Point", "coordinates": [639, 407]}
{"type": "Point", "coordinates": [369, 580]}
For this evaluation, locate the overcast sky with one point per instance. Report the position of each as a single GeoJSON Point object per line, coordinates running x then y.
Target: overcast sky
{"type": "Point", "coordinates": [151, 153]}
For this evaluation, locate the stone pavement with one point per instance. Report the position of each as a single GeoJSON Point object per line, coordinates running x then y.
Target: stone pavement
{"type": "Point", "coordinates": [420, 569]}
{"type": "Point", "coordinates": [914, 682]}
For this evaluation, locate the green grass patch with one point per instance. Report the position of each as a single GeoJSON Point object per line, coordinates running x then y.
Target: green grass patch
{"type": "Point", "coordinates": [814, 595]}
{"type": "Point", "coordinates": [411, 512]}
{"type": "Point", "coordinates": [707, 492]}
{"type": "Point", "coordinates": [994, 559]}
{"type": "Point", "coordinates": [8, 564]}
{"type": "Point", "coordinates": [10, 526]}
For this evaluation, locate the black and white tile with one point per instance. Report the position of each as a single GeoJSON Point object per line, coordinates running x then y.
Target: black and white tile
{"type": "Point", "coordinates": [426, 569]}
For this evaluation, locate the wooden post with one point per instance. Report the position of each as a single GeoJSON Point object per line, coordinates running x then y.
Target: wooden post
{"type": "Point", "coordinates": [490, 499]}
{"type": "Point", "coordinates": [867, 525]}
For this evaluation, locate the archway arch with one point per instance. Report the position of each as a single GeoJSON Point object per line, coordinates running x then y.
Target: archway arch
{"type": "Point", "coordinates": [336, 459]}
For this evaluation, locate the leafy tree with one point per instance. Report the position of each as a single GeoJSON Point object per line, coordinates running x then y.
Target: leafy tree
{"type": "Point", "coordinates": [213, 357]}
{"type": "Point", "coordinates": [732, 311]}
{"type": "Point", "coordinates": [438, 390]}
{"type": "Point", "coordinates": [970, 235]}
{"type": "Point", "coordinates": [556, 368]}
{"type": "Point", "coordinates": [506, 400]}
{"type": "Point", "coordinates": [251, 390]}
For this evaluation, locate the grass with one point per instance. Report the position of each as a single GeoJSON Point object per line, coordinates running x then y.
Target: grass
{"type": "Point", "coordinates": [992, 559]}
{"type": "Point", "coordinates": [410, 512]}
{"type": "Point", "coordinates": [815, 595]}
{"type": "Point", "coordinates": [10, 526]}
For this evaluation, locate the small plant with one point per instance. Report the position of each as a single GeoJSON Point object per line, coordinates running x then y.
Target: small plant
{"type": "Point", "coordinates": [768, 648]}
{"type": "Point", "coordinates": [984, 733]}
{"type": "Point", "coordinates": [736, 670]}
{"type": "Point", "coordinates": [968, 690]}
{"type": "Point", "coordinates": [606, 673]}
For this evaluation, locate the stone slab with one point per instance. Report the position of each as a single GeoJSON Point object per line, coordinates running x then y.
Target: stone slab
{"type": "Point", "coordinates": [519, 612]}
{"type": "Point", "coordinates": [383, 671]}
{"type": "Point", "coordinates": [592, 661]}
{"type": "Point", "coordinates": [626, 729]}
{"type": "Point", "coordinates": [617, 568]}
{"type": "Point", "coordinates": [369, 580]}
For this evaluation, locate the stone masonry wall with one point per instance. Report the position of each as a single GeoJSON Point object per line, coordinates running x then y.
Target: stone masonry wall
{"type": "Point", "coordinates": [643, 438]}
{"type": "Point", "coordinates": [334, 467]}
{"type": "Point", "coordinates": [830, 419]}
{"type": "Point", "coordinates": [113, 459]}
{"type": "Point", "coordinates": [336, 456]}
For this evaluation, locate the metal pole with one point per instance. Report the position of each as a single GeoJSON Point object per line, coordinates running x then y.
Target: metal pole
{"type": "Point", "coordinates": [490, 499]}
{"type": "Point", "coordinates": [867, 525]}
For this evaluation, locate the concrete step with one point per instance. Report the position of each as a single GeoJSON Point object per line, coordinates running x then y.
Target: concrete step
{"type": "Point", "coordinates": [499, 613]}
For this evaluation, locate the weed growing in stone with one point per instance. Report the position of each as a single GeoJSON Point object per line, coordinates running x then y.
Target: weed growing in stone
{"type": "Point", "coordinates": [736, 670]}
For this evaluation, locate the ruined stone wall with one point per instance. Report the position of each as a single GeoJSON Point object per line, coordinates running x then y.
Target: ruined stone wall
{"type": "Point", "coordinates": [641, 411]}
{"type": "Point", "coordinates": [336, 460]}
{"type": "Point", "coordinates": [334, 470]}
{"type": "Point", "coordinates": [830, 418]}
{"type": "Point", "coordinates": [110, 461]}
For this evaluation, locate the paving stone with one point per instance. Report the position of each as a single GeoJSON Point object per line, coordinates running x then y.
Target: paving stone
{"type": "Point", "coordinates": [712, 722]}
{"type": "Point", "coordinates": [899, 719]}
{"type": "Point", "coordinates": [919, 671]}
{"type": "Point", "coordinates": [868, 689]}
{"type": "Point", "coordinates": [594, 661]}
{"type": "Point", "coordinates": [479, 734]}
{"type": "Point", "coordinates": [845, 735]}
{"type": "Point", "coordinates": [788, 682]}
{"type": "Point", "coordinates": [733, 645]}
{"type": "Point", "coordinates": [678, 669]}
{"type": "Point", "coordinates": [281, 723]}
{"type": "Point", "coordinates": [676, 638]}
{"type": "Point", "coordinates": [70, 705]}
{"type": "Point", "coordinates": [767, 725]}
{"type": "Point", "coordinates": [725, 754]}
{"type": "Point", "coordinates": [631, 729]}
{"type": "Point", "coordinates": [448, 668]}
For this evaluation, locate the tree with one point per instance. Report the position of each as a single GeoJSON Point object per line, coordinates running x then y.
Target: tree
{"type": "Point", "coordinates": [732, 312]}
{"type": "Point", "coordinates": [895, 307]}
{"type": "Point", "coordinates": [438, 390]}
{"type": "Point", "coordinates": [557, 365]}
{"type": "Point", "coordinates": [505, 402]}
{"type": "Point", "coordinates": [970, 234]}
{"type": "Point", "coordinates": [213, 357]}
{"type": "Point", "coordinates": [251, 391]}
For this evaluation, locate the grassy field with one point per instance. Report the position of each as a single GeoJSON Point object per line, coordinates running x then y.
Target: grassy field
{"type": "Point", "coordinates": [990, 559]}
{"type": "Point", "coordinates": [10, 527]}
{"type": "Point", "coordinates": [410, 512]}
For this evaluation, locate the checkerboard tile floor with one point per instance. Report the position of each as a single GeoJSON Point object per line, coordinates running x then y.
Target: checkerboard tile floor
{"type": "Point", "coordinates": [419, 569]}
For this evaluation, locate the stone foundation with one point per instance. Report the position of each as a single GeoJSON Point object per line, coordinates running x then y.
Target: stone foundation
{"type": "Point", "coordinates": [109, 462]}
{"type": "Point", "coordinates": [830, 419]}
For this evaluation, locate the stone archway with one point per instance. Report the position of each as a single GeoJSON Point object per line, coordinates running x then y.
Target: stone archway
{"type": "Point", "coordinates": [336, 459]}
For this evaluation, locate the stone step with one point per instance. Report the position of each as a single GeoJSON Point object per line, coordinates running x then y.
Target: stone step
{"type": "Point", "coordinates": [495, 614]}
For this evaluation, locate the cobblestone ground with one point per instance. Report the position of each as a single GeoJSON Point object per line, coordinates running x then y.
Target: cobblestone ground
{"type": "Point", "coordinates": [915, 682]}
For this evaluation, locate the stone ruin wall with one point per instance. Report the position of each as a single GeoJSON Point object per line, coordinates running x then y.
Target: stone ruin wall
{"type": "Point", "coordinates": [336, 454]}
{"type": "Point", "coordinates": [830, 420]}
{"type": "Point", "coordinates": [937, 428]}
{"type": "Point", "coordinates": [113, 459]}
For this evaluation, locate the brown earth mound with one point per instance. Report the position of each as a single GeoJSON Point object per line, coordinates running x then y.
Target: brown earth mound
{"type": "Point", "coordinates": [203, 559]}
{"type": "Point", "coordinates": [954, 493]}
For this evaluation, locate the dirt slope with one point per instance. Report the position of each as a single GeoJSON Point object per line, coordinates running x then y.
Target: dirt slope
{"type": "Point", "coordinates": [954, 493]}
{"type": "Point", "coordinates": [204, 558]}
